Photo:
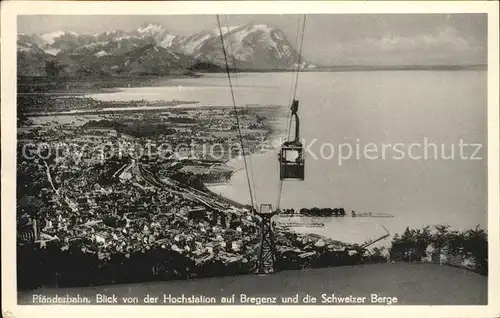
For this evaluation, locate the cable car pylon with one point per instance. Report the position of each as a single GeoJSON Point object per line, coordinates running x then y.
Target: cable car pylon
{"type": "Point", "coordinates": [267, 249]}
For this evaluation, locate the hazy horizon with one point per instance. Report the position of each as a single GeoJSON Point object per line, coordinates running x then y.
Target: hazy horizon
{"type": "Point", "coordinates": [329, 39]}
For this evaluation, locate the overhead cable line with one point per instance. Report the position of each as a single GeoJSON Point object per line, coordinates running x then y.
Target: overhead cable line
{"type": "Point", "coordinates": [236, 112]}
{"type": "Point", "coordinates": [235, 69]}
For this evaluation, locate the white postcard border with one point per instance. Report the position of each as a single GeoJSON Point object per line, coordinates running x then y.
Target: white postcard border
{"type": "Point", "coordinates": [10, 10]}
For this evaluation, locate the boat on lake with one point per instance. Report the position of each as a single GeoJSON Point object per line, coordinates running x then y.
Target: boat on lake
{"type": "Point", "coordinates": [298, 224]}
{"type": "Point", "coordinates": [371, 215]}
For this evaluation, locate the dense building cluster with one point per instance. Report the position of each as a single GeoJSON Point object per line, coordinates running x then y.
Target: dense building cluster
{"type": "Point", "coordinates": [85, 187]}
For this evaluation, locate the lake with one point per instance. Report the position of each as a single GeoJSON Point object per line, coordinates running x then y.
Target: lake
{"type": "Point", "coordinates": [444, 108]}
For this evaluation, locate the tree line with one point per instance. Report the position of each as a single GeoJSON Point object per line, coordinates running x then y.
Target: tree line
{"type": "Point", "coordinates": [441, 244]}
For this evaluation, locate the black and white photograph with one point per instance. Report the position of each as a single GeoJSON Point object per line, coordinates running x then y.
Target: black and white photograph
{"type": "Point", "coordinates": [252, 159]}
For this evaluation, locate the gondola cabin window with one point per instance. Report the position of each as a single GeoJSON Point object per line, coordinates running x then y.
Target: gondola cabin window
{"type": "Point", "coordinates": [266, 209]}
{"type": "Point", "coordinates": [291, 163]}
{"type": "Point", "coordinates": [292, 155]}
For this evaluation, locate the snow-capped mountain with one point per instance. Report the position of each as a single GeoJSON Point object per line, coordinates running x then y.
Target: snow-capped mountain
{"type": "Point", "coordinates": [61, 41]}
{"type": "Point", "coordinates": [116, 46]}
{"type": "Point", "coordinates": [27, 43]}
{"type": "Point", "coordinates": [161, 36]}
{"type": "Point", "coordinates": [114, 42]}
{"type": "Point", "coordinates": [153, 59]}
{"type": "Point", "coordinates": [250, 46]}
{"type": "Point", "coordinates": [31, 58]}
{"type": "Point", "coordinates": [50, 38]}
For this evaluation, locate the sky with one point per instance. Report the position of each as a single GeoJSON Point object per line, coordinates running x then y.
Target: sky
{"type": "Point", "coordinates": [329, 39]}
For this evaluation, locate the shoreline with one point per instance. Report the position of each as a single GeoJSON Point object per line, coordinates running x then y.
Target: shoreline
{"type": "Point", "coordinates": [107, 111]}
{"type": "Point", "coordinates": [239, 165]}
{"type": "Point", "coordinates": [182, 105]}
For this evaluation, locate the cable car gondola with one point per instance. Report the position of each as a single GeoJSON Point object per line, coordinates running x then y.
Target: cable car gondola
{"type": "Point", "coordinates": [291, 156]}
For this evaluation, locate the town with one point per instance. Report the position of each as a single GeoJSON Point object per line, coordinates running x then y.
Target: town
{"type": "Point", "coordinates": [112, 187]}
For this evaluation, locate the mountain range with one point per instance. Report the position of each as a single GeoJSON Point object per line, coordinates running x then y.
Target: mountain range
{"type": "Point", "coordinates": [152, 50]}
